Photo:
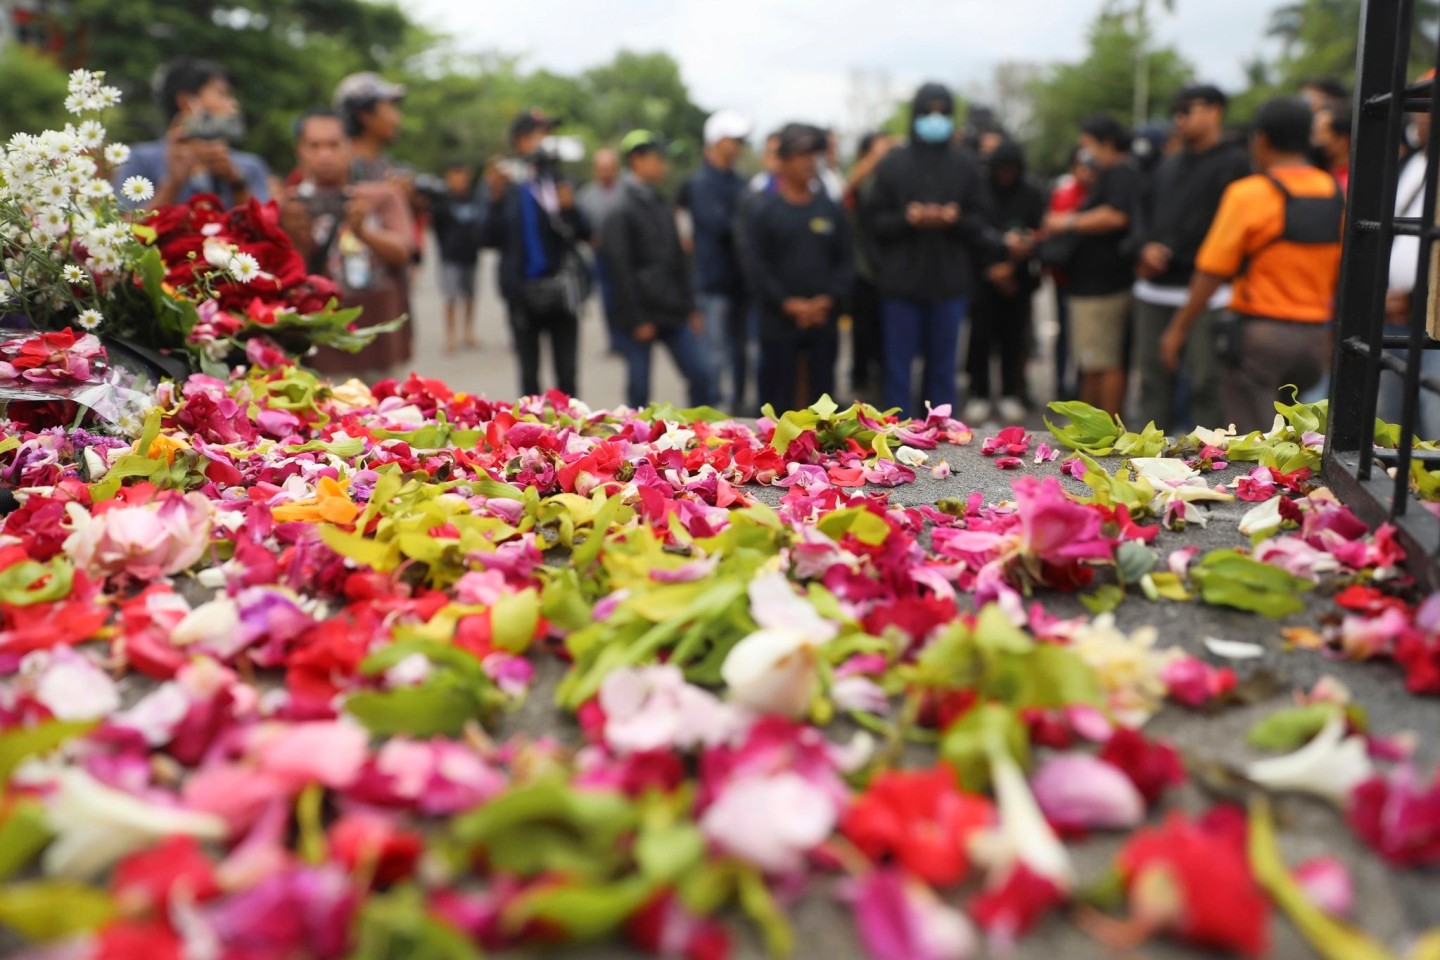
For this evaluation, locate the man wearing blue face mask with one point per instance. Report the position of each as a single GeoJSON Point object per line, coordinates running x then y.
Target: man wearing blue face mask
{"type": "Point", "coordinates": [926, 213]}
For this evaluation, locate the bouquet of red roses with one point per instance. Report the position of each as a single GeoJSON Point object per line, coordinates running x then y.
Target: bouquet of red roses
{"type": "Point", "coordinates": [245, 278]}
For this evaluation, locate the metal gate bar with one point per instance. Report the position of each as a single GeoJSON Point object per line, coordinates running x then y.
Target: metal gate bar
{"type": "Point", "coordinates": [1364, 347]}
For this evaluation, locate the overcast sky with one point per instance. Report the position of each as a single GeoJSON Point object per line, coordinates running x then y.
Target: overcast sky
{"type": "Point", "coordinates": [777, 60]}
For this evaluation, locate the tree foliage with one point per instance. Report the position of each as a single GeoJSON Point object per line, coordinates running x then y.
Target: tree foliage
{"type": "Point", "coordinates": [286, 55]}
{"type": "Point", "coordinates": [34, 91]}
{"type": "Point", "coordinates": [1104, 82]}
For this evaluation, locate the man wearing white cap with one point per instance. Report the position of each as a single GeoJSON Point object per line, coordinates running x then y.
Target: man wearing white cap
{"type": "Point", "coordinates": [712, 197]}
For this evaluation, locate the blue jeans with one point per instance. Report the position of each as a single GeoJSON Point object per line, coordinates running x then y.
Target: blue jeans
{"type": "Point", "coordinates": [913, 328]}
{"type": "Point", "coordinates": [726, 340]}
{"type": "Point", "coordinates": [689, 352]}
{"type": "Point", "coordinates": [607, 304]}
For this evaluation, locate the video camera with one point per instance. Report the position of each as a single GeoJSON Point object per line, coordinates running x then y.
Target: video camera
{"type": "Point", "coordinates": [213, 127]}
{"type": "Point", "coordinates": [327, 203]}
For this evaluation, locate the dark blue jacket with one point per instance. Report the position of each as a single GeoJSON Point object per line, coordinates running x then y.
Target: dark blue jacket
{"type": "Point", "coordinates": [503, 229]}
{"type": "Point", "coordinates": [713, 197]}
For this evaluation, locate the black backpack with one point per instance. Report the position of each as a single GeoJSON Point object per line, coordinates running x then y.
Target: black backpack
{"type": "Point", "coordinates": [1311, 221]}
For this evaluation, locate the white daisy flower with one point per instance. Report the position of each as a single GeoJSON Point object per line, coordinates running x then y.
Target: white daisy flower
{"type": "Point", "coordinates": [105, 261]}
{"type": "Point", "coordinates": [90, 319]}
{"type": "Point", "coordinates": [91, 134]}
{"type": "Point", "coordinates": [97, 189]}
{"type": "Point", "coordinates": [117, 153]}
{"type": "Point", "coordinates": [243, 267]}
{"type": "Point", "coordinates": [75, 103]}
{"type": "Point", "coordinates": [137, 189]}
{"type": "Point", "coordinates": [55, 190]}
{"type": "Point", "coordinates": [53, 222]}
{"type": "Point", "coordinates": [73, 273]}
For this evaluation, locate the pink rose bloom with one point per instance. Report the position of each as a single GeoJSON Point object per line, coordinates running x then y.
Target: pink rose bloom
{"type": "Point", "coordinates": [159, 538]}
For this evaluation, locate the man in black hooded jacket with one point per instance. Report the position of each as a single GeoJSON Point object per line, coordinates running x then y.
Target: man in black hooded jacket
{"type": "Point", "coordinates": [927, 215]}
{"type": "Point", "coordinates": [1000, 322]}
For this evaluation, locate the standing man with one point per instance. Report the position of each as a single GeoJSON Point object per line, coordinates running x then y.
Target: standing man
{"type": "Point", "coordinates": [926, 212]}
{"type": "Point", "coordinates": [1099, 272]}
{"type": "Point", "coordinates": [596, 199]}
{"type": "Point", "coordinates": [1331, 139]}
{"type": "Point", "coordinates": [370, 106]}
{"type": "Point", "coordinates": [1404, 264]}
{"type": "Point", "coordinates": [1174, 218]}
{"type": "Point", "coordinates": [536, 225]}
{"type": "Point", "coordinates": [866, 346]}
{"type": "Point", "coordinates": [1277, 237]}
{"type": "Point", "coordinates": [802, 267]}
{"type": "Point", "coordinates": [357, 234]}
{"type": "Point", "coordinates": [456, 218]}
{"type": "Point", "coordinates": [1001, 322]}
{"type": "Point", "coordinates": [654, 301]}
{"type": "Point", "coordinates": [196, 154]}
{"type": "Point", "coordinates": [713, 198]}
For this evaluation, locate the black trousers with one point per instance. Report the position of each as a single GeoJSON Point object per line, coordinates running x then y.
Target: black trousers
{"type": "Point", "coordinates": [782, 361]}
{"type": "Point", "coordinates": [867, 347]}
{"type": "Point", "coordinates": [998, 325]}
{"type": "Point", "coordinates": [562, 328]}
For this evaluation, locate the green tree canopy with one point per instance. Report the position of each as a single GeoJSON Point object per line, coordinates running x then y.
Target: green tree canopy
{"type": "Point", "coordinates": [1104, 82]}
{"type": "Point", "coordinates": [285, 55]}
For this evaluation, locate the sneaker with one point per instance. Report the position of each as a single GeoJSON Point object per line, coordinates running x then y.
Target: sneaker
{"type": "Point", "coordinates": [977, 411]}
{"type": "Point", "coordinates": [1012, 410]}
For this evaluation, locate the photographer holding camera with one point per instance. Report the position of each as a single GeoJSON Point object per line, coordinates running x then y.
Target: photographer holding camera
{"type": "Point", "coordinates": [197, 154]}
{"type": "Point", "coordinates": [357, 234]}
{"type": "Point", "coordinates": [535, 224]}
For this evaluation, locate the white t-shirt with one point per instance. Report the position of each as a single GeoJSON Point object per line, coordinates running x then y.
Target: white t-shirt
{"type": "Point", "coordinates": [1409, 202]}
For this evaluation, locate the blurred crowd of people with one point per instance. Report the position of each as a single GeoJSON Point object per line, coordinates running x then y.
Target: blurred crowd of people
{"type": "Point", "coordinates": [1193, 264]}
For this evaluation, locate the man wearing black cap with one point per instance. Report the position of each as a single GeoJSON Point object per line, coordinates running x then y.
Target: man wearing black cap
{"type": "Point", "coordinates": [926, 213]}
{"type": "Point", "coordinates": [1174, 216]}
{"type": "Point", "coordinates": [801, 265]}
{"type": "Point", "coordinates": [536, 225]}
{"type": "Point", "coordinates": [650, 277]}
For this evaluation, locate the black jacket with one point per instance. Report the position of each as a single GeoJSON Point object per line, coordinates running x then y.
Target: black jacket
{"type": "Point", "coordinates": [797, 251]}
{"type": "Point", "coordinates": [929, 263]}
{"type": "Point", "coordinates": [504, 229]}
{"type": "Point", "coordinates": [1020, 206]}
{"type": "Point", "coordinates": [648, 270]}
{"type": "Point", "coordinates": [1180, 202]}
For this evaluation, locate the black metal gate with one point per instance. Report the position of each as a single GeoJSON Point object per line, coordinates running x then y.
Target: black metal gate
{"type": "Point", "coordinates": [1358, 470]}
